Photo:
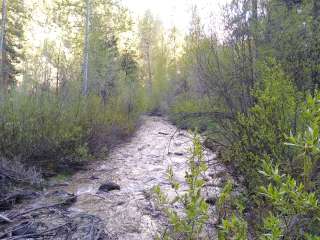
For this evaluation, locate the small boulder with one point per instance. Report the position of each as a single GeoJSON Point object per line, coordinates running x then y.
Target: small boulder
{"type": "Point", "coordinates": [109, 186]}
{"type": "Point", "coordinates": [211, 200]}
{"type": "Point", "coordinates": [178, 153]}
{"type": "Point", "coordinates": [163, 133]}
{"type": "Point", "coordinates": [206, 179]}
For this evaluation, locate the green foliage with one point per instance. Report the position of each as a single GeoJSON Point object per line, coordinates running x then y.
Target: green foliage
{"type": "Point", "coordinates": [234, 228]}
{"type": "Point", "coordinates": [188, 104]}
{"type": "Point", "coordinates": [294, 47]}
{"type": "Point", "coordinates": [48, 130]}
{"type": "Point", "coordinates": [272, 226]}
{"type": "Point", "coordinates": [261, 98]}
{"type": "Point", "coordinates": [289, 207]}
{"type": "Point", "coordinates": [307, 140]}
{"type": "Point", "coordinates": [287, 197]}
{"type": "Point", "coordinates": [295, 211]}
{"type": "Point", "coordinates": [290, 211]}
{"type": "Point", "coordinates": [225, 196]}
{"type": "Point", "coordinates": [190, 222]}
{"type": "Point", "coordinates": [13, 42]}
{"type": "Point", "coordinates": [261, 76]}
{"type": "Point", "coordinates": [44, 121]}
{"type": "Point", "coordinates": [262, 131]}
{"type": "Point", "coordinates": [186, 111]}
{"type": "Point", "coordinates": [230, 211]}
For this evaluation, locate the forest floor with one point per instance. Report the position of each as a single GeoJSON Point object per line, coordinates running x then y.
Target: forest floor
{"type": "Point", "coordinates": [113, 199]}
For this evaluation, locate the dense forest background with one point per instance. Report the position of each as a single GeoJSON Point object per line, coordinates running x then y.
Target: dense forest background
{"type": "Point", "coordinates": [71, 96]}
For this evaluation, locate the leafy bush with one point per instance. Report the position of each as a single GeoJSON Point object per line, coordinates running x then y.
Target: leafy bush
{"type": "Point", "coordinates": [307, 142]}
{"type": "Point", "coordinates": [233, 228]}
{"type": "Point", "coordinates": [189, 112]}
{"type": "Point", "coordinates": [190, 223]}
{"type": "Point", "coordinates": [50, 131]}
{"type": "Point", "coordinates": [230, 214]}
{"type": "Point", "coordinates": [289, 211]}
{"type": "Point", "coordinates": [294, 211]}
{"type": "Point", "coordinates": [288, 205]}
{"type": "Point", "coordinates": [261, 132]}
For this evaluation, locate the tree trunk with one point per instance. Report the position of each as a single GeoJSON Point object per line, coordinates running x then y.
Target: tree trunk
{"type": "Point", "coordinates": [58, 71]}
{"type": "Point", "coordinates": [315, 74]}
{"type": "Point", "coordinates": [254, 30]}
{"type": "Point", "coordinates": [149, 70]}
{"type": "Point", "coordinates": [86, 50]}
{"type": "Point", "coordinates": [2, 44]}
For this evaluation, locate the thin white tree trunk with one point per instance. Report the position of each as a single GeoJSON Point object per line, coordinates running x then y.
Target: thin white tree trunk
{"type": "Point", "coordinates": [86, 50]}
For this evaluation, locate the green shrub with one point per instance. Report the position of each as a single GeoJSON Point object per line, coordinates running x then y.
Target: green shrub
{"type": "Point", "coordinates": [230, 214]}
{"type": "Point", "coordinates": [233, 228]}
{"type": "Point", "coordinates": [46, 130]}
{"type": "Point", "coordinates": [188, 224]}
{"type": "Point", "coordinates": [288, 205]}
{"type": "Point", "coordinates": [294, 211]}
{"type": "Point", "coordinates": [288, 211]}
{"type": "Point", "coordinates": [261, 132]}
{"type": "Point", "coordinates": [189, 112]}
{"type": "Point", "coordinates": [307, 142]}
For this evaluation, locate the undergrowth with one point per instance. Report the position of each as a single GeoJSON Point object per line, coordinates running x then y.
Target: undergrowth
{"type": "Point", "coordinates": [190, 222]}
{"type": "Point", "coordinates": [55, 132]}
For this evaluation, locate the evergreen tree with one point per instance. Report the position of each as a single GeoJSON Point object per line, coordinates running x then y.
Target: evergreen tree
{"type": "Point", "coordinates": [14, 17]}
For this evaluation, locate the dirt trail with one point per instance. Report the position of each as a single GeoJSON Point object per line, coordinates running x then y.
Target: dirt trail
{"type": "Point", "coordinates": [137, 166]}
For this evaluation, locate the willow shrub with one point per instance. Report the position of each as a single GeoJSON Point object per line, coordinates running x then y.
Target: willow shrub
{"type": "Point", "coordinates": [278, 154]}
{"type": "Point", "coordinates": [262, 131]}
{"type": "Point", "coordinates": [46, 130]}
{"type": "Point", "coordinates": [290, 211]}
{"type": "Point", "coordinates": [190, 223]}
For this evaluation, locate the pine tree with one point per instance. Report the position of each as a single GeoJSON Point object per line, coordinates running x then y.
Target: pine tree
{"type": "Point", "coordinates": [13, 21]}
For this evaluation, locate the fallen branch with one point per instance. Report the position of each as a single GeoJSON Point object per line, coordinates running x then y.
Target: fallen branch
{"type": "Point", "coordinates": [40, 208]}
{"type": "Point", "coordinates": [41, 234]}
{"type": "Point", "coordinates": [10, 199]}
{"type": "Point", "coordinates": [5, 219]}
{"type": "Point", "coordinates": [220, 115]}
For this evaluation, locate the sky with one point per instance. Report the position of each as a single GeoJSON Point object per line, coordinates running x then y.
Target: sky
{"type": "Point", "coordinates": [178, 12]}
